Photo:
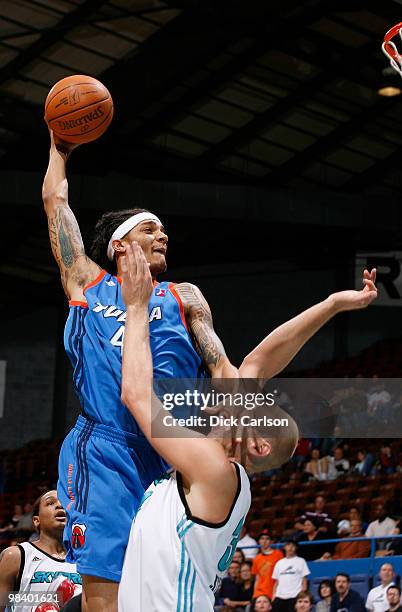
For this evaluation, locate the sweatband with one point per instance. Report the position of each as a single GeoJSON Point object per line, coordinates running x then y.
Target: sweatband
{"type": "Point", "coordinates": [126, 227]}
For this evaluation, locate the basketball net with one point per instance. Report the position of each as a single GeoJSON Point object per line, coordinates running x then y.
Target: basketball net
{"type": "Point", "coordinates": [390, 49]}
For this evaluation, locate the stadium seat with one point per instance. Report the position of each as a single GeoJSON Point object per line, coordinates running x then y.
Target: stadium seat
{"type": "Point", "coordinates": [361, 584]}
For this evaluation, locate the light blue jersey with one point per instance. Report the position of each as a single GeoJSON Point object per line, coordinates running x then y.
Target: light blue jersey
{"type": "Point", "coordinates": [93, 339]}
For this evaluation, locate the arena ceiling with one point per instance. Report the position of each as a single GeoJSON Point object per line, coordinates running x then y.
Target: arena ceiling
{"type": "Point", "coordinates": [271, 94]}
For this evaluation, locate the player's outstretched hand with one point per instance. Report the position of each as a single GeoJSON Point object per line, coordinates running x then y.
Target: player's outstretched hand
{"type": "Point", "coordinates": [355, 300]}
{"type": "Point", "coordinates": [136, 277]}
{"type": "Point", "coordinates": [63, 147]}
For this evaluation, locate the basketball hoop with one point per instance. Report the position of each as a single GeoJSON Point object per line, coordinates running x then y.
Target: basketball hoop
{"type": "Point", "coordinates": [390, 49]}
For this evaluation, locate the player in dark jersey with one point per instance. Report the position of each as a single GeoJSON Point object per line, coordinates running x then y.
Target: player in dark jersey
{"type": "Point", "coordinates": [106, 456]}
{"type": "Point", "coordinates": [33, 567]}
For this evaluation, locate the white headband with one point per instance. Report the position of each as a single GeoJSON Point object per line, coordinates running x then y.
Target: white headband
{"type": "Point", "coordinates": [126, 227]}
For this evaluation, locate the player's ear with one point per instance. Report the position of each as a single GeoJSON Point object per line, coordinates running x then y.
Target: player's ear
{"type": "Point", "coordinates": [119, 246]}
{"type": "Point", "coordinates": [36, 522]}
{"type": "Point", "coordinates": [258, 447]}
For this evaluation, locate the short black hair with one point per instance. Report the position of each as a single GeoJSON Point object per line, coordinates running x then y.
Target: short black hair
{"type": "Point", "coordinates": [103, 231]}
{"type": "Point", "coordinates": [394, 586]}
{"type": "Point", "coordinates": [36, 508]}
{"type": "Point", "coordinates": [344, 575]}
{"type": "Point", "coordinates": [327, 583]}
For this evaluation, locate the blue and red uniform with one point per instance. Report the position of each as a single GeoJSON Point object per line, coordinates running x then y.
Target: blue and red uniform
{"type": "Point", "coordinates": [106, 463]}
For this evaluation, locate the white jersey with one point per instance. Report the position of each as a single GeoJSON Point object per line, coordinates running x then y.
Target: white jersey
{"type": "Point", "coordinates": [174, 561]}
{"type": "Point", "coordinates": [38, 570]}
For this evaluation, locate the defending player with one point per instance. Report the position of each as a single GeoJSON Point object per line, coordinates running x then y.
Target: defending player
{"type": "Point", "coordinates": [187, 528]}
{"type": "Point", "coordinates": [30, 568]}
{"type": "Point", "coordinates": [106, 452]}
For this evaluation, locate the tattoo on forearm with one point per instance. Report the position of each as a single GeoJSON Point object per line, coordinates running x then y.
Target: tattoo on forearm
{"type": "Point", "coordinates": [199, 318]}
{"type": "Point", "coordinates": [66, 242]}
{"type": "Point", "coordinates": [66, 250]}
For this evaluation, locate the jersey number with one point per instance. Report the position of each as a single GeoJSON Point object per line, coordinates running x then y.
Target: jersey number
{"type": "Point", "coordinates": [227, 556]}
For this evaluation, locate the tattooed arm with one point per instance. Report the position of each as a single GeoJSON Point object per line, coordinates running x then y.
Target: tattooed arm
{"type": "Point", "coordinates": [76, 269]}
{"type": "Point", "coordinates": [10, 561]}
{"type": "Point", "coordinates": [199, 318]}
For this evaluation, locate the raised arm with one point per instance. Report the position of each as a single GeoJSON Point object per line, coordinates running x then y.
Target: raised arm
{"type": "Point", "coordinates": [278, 349]}
{"type": "Point", "coordinates": [201, 461]}
{"type": "Point", "coordinates": [199, 318]}
{"type": "Point", "coordinates": [10, 561]}
{"type": "Point", "coordinates": [76, 269]}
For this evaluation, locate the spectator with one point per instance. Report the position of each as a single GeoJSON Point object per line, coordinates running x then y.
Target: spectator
{"type": "Point", "coordinates": [387, 464]}
{"type": "Point", "coordinates": [345, 598]}
{"type": "Point", "coordinates": [10, 524]}
{"type": "Point", "coordinates": [25, 522]}
{"type": "Point", "coordinates": [325, 592]}
{"type": "Point", "coordinates": [247, 544]}
{"type": "Point", "coordinates": [317, 467]}
{"type": "Point", "coordinates": [304, 602]}
{"type": "Point", "coordinates": [229, 587]}
{"type": "Point", "coordinates": [290, 575]}
{"type": "Point", "coordinates": [341, 464]}
{"type": "Point", "coordinates": [245, 589]}
{"type": "Point", "coordinates": [354, 513]}
{"type": "Point", "coordinates": [263, 565]}
{"type": "Point", "coordinates": [382, 526]}
{"type": "Point", "coordinates": [377, 597]}
{"type": "Point", "coordinates": [262, 604]}
{"type": "Point", "coordinates": [365, 463]}
{"type": "Point", "coordinates": [394, 598]}
{"type": "Point", "coordinates": [239, 556]}
{"type": "Point", "coordinates": [377, 398]}
{"type": "Point", "coordinates": [302, 452]}
{"type": "Point", "coordinates": [357, 549]}
{"type": "Point", "coordinates": [324, 521]}
{"type": "Point", "coordinates": [311, 534]}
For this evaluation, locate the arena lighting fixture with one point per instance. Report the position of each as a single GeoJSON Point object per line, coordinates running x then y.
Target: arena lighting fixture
{"type": "Point", "coordinates": [389, 91]}
{"type": "Point", "coordinates": [390, 85]}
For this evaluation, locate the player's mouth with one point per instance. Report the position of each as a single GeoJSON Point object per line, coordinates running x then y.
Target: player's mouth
{"type": "Point", "coordinates": [60, 516]}
{"type": "Point", "coordinates": [161, 250]}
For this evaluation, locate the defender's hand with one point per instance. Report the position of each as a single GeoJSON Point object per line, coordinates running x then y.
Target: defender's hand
{"type": "Point", "coordinates": [355, 300]}
{"type": "Point", "coordinates": [136, 278]}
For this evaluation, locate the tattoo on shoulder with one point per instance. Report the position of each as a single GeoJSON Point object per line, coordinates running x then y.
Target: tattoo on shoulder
{"type": "Point", "coordinates": [199, 318]}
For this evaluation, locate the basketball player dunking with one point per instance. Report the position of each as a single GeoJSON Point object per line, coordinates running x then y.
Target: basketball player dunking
{"type": "Point", "coordinates": [106, 456]}
{"type": "Point", "coordinates": [30, 568]}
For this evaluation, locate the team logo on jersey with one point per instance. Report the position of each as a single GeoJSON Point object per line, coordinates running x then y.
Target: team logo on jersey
{"type": "Point", "coordinates": [160, 292]}
{"type": "Point", "coordinates": [78, 535]}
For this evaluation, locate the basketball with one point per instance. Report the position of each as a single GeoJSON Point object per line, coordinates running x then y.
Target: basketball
{"type": "Point", "coordinates": [79, 109]}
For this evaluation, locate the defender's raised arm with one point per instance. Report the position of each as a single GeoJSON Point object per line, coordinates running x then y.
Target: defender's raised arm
{"type": "Point", "coordinates": [76, 269]}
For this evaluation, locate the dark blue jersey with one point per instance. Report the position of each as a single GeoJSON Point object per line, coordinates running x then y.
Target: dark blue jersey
{"type": "Point", "coordinates": [93, 339]}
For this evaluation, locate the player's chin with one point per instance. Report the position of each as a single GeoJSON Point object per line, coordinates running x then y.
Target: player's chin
{"type": "Point", "coordinates": [158, 264]}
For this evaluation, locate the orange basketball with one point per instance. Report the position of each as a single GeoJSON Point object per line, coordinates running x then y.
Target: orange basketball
{"type": "Point", "coordinates": [79, 108]}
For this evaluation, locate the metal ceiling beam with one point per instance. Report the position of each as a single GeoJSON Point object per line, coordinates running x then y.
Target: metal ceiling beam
{"type": "Point", "coordinates": [265, 38]}
{"type": "Point", "coordinates": [379, 170]}
{"type": "Point", "coordinates": [49, 37]}
{"type": "Point", "coordinates": [338, 137]}
{"type": "Point", "coordinates": [305, 91]}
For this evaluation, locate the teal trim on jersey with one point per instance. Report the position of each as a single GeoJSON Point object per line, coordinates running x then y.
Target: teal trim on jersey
{"type": "Point", "coordinates": [183, 553]}
{"type": "Point", "coordinates": [184, 531]}
{"type": "Point", "coordinates": [181, 523]}
{"type": "Point", "coordinates": [192, 590]}
{"type": "Point", "coordinates": [186, 584]}
{"type": "Point", "coordinates": [185, 572]}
